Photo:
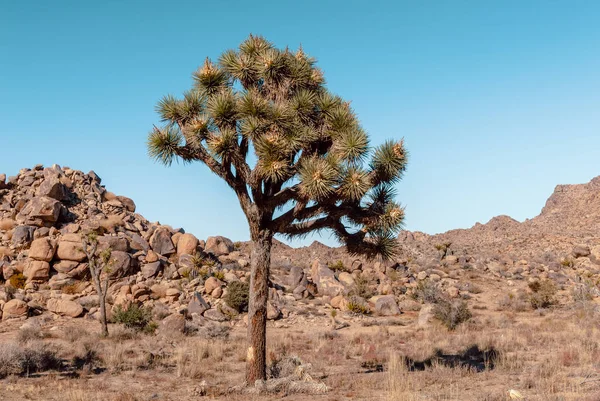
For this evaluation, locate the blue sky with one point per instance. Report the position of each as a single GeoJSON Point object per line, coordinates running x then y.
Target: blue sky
{"type": "Point", "coordinates": [498, 101]}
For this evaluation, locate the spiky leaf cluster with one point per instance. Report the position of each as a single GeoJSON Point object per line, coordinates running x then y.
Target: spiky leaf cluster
{"type": "Point", "coordinates": [314, 167]}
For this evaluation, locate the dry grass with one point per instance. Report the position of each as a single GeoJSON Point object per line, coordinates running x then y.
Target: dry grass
{"type": "Point", "coordinates": [545, 357]}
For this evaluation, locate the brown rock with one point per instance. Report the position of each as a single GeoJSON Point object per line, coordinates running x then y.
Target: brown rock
{"type": "Point", "coordinates": [42, 249]}
{"type": "Point", "coordinates": [64, 307]}
{"type": "Point", "coordinates": [14, 308]}
{"type": "Point", "coordinates": [325, 280]}
{"type": "Point", "coordinates": [70, 251]}
{"type": "Point", "coordinates": [128, 203]}
{"type": "Point", "coordinates": [211, 284]}
{"type": "Point", "coordinates": [187, 244]}
{"type": "Point", "coordinates": [219, 246]}
{"type": "Point", "coordinates": [37, 270]}
{"type": "Point", "coordinates": [386, 305]}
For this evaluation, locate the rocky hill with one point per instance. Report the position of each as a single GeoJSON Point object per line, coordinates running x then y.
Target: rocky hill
{"type": "Point", "coordinates": [45, 212]}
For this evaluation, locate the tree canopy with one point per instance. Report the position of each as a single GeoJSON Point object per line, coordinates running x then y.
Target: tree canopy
{"type": "Point", "coordinates": [295, 154]}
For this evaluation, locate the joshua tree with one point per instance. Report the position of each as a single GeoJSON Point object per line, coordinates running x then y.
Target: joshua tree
{"type": "Point", "coordinates": [295, 155]}
{"type": "Point", "coordinates": [98, 262]}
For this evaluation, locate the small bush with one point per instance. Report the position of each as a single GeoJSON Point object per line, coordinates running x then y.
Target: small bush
{"type": "Point", "coordinates": [358, 306]}
{"type": "Point", "coordinates": [237, 245]}
{"type": "Point", "coordinates": [37, 357]}
{"type": "Point", "coordinates": [135, 317]}
{"type": "Point", "coordinates": [71, 289]}
{"type": "Point", "coordinates": [337, 266]}
{"type": "Point", "coordinates": [583, 292]}
{"type": "Point", "coordinates": [17, 280]}
{"type": "Point", "coordinates": [543, 294]}
{"type": "Point", "coordinates": [219, 275]}
{"type": "Point", "coordinates": [237, 295]}
{"type": "Point", "coordinates": [566, 262]}
{"type": "Point", "coordinates": [451, 313]}
{"type": "Point", "coordinates": [427, 291]}
{"type": "Point", "coordinates": [29, 333]}
{"type": "Point", "coordinates": [361, 288]}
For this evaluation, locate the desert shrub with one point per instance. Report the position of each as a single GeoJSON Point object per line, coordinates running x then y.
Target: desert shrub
{"type": "Point", "coordinates": [37, 357]}
{"type": "Point", "coordinates": [583, 292]}
{"type": "Point", "coordinates": [361, 287]}
{"type": "Point", "coordinates": [358, 306]}
{"type": "Point", "coordinates": [135, 317]}
{"type": "Point", "coordinates": [427, 291]}
{"type": "Point", "coordinates": [337, 266]}
{"type": "Point", "coordinates": [73, 288]}
{"type": "Point", "coordinates": [29, 333]}
{"type": "Point", "coordinates": [237, 295]}
{"type": "Point", "coordinates": [219, 275]}
{"type": "Point", "coordinates": [451, 313]}
{"type": "Point", "coordinates": [517, 303]}
{"type": "Point", "coordinates": [237, 245]}
{"type": "Point", "coordinates": [17, 280]}
{"type": "Point", "coordinates": [566, 262]}
{"type": "Point", "coordinates": [543, 294]}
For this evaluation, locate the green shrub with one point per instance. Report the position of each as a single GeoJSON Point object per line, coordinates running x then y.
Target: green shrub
{"type": "Point", "coordinates": [358, 306]}
{"type": "Point", "coordinates": [219, 275]}
{"type": "Point", "coordinates": [135, 317]}
{"type": "Point", "coordinates": [566, 262]}
{"type": "Point", "coordinates": [543, 294]}
{"type": "Point", "coordinates": [451, 313]}
{"type": "Point", "coordinates": [361, 288]}
{"type": "Point", "coordinates": [337, 266]}
{"type": "Point", "coordinates": [17, 280]}
{"type": "Point", "coordinates": [237, 295]}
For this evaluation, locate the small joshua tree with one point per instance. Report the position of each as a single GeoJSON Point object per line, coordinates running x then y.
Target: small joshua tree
{"type": "Point", "coordinates": [295, 155]}
{"type": "Point", "coordinates": [98, 263]}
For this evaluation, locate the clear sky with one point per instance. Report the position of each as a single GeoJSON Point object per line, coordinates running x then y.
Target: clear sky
{"type": "Point", "coordinates": [498, 101]}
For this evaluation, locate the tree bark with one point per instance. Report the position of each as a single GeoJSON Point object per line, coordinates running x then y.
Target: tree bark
{"type": "Point", "coordinates": [103, 319]}
{"type": "Point", "coordinates": [256, 358]}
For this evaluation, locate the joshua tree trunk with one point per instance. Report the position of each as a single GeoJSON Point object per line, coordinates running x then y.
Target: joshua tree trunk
{"type": "Point", "coordinates": [257, 307]}
{"type": "Point", "coordinates": [103, 319]}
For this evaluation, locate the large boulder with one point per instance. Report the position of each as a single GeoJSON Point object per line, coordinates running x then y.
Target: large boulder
{"type": "Point", "coordinates": [65, 266]}
{"type": "Point", "coordinates": [53, 188]}
{"type": "Point", "coordinates": [325, 280]}
{"type": "Point", "coordinates": [187, 244]}
{"type": "Point", "coordinates": [120, 264]}
{"type": "Point", "coordinates": [128, 203]}
{"type": "Point", "coordinates": [14, 308]}
{"type": "Point", "coordinates": [219, 246]}
{"type": "Point", "coordinates": [112, 242]}
{"type": "Point", "coordinates": [64, 307]}
{"type": "Point", "coordinates": [296, 277]}
{"type": "Point", "coordinates": [161, 242]}
{"type": "Point", "coordinates": [37, 270]}
{"type": "Point", "coordinates": [23, 235]}
{"type": "Point", "coordinates": [151, 269]}
{"type": "Point", "coordinates": [137, 243]}
{"type": "Point", "coordinates": [42, 249]}
{"type": "Point", "coordinates": [41, 210]}
{"type": "Point", "coordinates": [68, 250]}
{"type": "Point", "coordinates": [580, 251]}
{"type": "Point", "coordinates": [386, 305]}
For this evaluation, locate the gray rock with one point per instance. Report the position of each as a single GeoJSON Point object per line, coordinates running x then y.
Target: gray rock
{"type": "Point", "coordinates": [151, 269]}
{"type": "Point", "coordinates": [161, 242]}
{"type": "Point", "coordinates": [386, 306]}
{"type": "Point", "coordinates": [23, 235]}
{"type": "Point", "coordinates": [137, 243]}
{"type": "Point", "coordinates": [121, 264]}
{"type": "Point", "coordinates": [197, 305]}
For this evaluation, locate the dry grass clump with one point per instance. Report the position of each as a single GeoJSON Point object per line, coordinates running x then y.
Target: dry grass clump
{"type": "Point", "coordinates": [17, 280]}
{"type": "Point", "coordinates": [35, 357]}
{"type": "Point", "coordinates": [452, 313]}
{"type": "Point", "coordinates": [543, 294]}
{"type": "Point", "coordinates": [111, 223]}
